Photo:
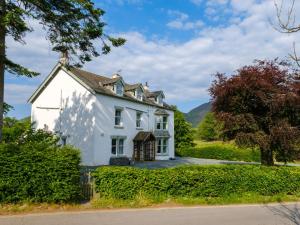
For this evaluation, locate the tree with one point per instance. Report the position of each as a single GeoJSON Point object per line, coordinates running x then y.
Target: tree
{"type": "Point", "coordinates": [208, 128]}
{"type": "Point", "coordinates": [258, 104]}
{"type": "Point", "coordinates": [183, 131]}
{"type": "Point", "coordinates": [287, 24]}
{"type": "Point", "coordinates": [6, 108]}
{"type": "Point", "coordinates": [72, 27]}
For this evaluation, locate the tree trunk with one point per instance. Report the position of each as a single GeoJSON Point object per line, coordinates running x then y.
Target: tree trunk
{"type": "Point", "coordinates": [2, 60]}
{"type": "Point", "coordinates": [267, 158]}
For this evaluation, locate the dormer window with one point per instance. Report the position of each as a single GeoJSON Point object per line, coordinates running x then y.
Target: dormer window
{"type": "Point", "coordinates": [119, 89]}
{"type": "Point", "coordinates": [159, 100]}
{"type": "Point", "coordinates": [139, 94]}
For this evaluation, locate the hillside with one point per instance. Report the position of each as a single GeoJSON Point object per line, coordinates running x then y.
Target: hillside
{"type": "Point", "coordinates": [196, 115]}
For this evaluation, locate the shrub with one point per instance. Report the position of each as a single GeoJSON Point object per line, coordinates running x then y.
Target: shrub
{"type": "Point", "coordinates": [222, 151]}
{"type": "Point", "coordinates": [37, 170]}
{"type": "Point", "coordinates": [197, 181]}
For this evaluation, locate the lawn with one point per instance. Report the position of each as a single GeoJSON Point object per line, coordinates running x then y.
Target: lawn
{"type": "Point", "coordinates": [221, 150]}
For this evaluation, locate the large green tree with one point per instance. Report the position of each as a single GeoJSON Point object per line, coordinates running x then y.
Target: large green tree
{"type": "Point", "coordinates": [260, 105]}
{"type": "Point", "coordinates": [72, 26]}
{"type": "Point", "coordinates": [209, 128]}
{"type": "Point", "coordinates": [183, 130]}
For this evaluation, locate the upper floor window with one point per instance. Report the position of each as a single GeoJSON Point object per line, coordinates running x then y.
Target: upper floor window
{"type": "Point", "coordinates": [161, 122]}
{"type": "Point", "coordinates": [159, 100]}
{"type": "Point", "coordinates": [138, 119]}
{"type": "Point", "coordinates": [119, 89]}
{"type": "Point", "coordinates": [118, 117]}
{"type": "Point", "coordinates": [117, 146]}
{"type": "Point", "coordinates": [139, 94]}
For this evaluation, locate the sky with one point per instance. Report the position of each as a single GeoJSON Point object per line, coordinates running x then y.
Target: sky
{"type": "Point", "coordinates": [174, 45]}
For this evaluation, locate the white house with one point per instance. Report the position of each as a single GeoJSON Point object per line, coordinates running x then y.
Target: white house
{"type": "Point", "coordinates": [104, 117]}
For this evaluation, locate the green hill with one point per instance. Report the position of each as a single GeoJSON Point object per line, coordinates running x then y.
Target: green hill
{"type": "Point", "coordinates": [196, 115]}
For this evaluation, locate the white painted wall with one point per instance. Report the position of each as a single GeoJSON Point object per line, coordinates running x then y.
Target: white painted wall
{"type": "Point", "coordinates": [76, 118]}
{"type": "Point", "coordinates": [88, 119]}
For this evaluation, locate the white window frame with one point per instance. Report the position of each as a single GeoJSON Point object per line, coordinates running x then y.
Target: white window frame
{"type": "Point", "coordinates": [162, 146]}
{"type": "Point", "coordinates": [119, 89]}
{"type": "Point", "coordinates": [118, 116]}
{"type": "Point", "coordinates": [139, 94]}
{"type": "Point", "coordinates": [163, 125]}
{"type": "Point", "coordinates": [119, 146]}
{"type": "Point", "coordinates": [138, 121]}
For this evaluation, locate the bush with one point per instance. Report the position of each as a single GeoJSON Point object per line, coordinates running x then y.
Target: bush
{"type": "Point", "coordinates": [35, 169]}
{"type": "Point", "coordinates": [196, 181]}
{"type": "Point", "coordinates": [222, 151]}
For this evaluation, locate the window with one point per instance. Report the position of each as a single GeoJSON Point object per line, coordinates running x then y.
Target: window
{"type": "Point", "coordinates": [162, 146]}
{"type": "Point", "coordinates": [158, 100]}
{"type": "Point", "coordinates": [118, 117]}
{"type": "Point", "coordinates": [139, 94]}
{"type": "Point", "coordinates": [161, 122]}
{"type": "Point", "coordinates": [119, 89]}
{"type": "Point", "coordinates": [117, 146]}
{"type": "Point", "coordinates": [138, 119]}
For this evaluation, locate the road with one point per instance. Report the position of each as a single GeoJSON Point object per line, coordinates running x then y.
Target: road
{"type": "Point", "coordinates": [223, 215]}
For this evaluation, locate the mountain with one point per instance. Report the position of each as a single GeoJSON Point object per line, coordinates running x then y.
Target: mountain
{"type": "Point", "coordinates": [196, 115]}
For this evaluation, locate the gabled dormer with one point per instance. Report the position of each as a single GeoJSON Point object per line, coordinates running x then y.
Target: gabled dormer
{"type": "Point", "coordinates": [135, 90]}
{"type": "Point", "coordinates": [116, 84]}
{"type": "Point", "coordinates": [157, 96]}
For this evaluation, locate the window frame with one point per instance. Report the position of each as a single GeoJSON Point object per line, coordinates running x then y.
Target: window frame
{"type": "Point", "coordinates": [160, 123]}
{"type": "Point", "coordinates": [162, 146]}
{"type": "Point", "coordinates": [119, 117]}
{"type": "Point", "coordinates": [138, 119]}
{"type": "Point", "coordinates": [118, 146]}
{"type": "Point", "coordinates": [119, 87]}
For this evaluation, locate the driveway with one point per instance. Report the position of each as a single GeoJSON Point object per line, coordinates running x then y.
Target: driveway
{"type": "Point", "coordinates": [212, 215]}
{"type": "Point", "coordinates": [179, 161]}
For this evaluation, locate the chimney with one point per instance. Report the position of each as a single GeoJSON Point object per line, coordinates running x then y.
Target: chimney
{"type": "Point", "coordinates": [146, 86]}
{"type": "Point", "coordinates": [64, 58]}
{"type": "Point", "coordinates": [116, 75]}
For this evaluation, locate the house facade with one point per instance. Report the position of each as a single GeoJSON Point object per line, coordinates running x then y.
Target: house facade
{"type": "Point", "coordinates": [104, 117]}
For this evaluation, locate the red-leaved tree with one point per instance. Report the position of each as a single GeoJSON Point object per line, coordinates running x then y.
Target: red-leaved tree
{"type": "Point", "coordinates": [260, 105]}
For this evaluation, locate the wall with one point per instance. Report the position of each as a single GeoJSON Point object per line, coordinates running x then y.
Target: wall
{"type": "Point", "coordinates": [76, 117]}
{"type": "Point", "coordinates": [105, 129]}
{"type": "Point", "coordinates": [88, 120]}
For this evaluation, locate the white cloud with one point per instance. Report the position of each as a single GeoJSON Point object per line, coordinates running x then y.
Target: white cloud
{"type": "Point", "coordinates": [181, 21]}
{"type": "Point", "coordinates": [182, 70]}
{"type": "Point", "coordinates": [18, 93]}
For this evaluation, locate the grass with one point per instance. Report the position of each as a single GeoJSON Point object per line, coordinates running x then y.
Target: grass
{"type": "Point", "coordinates": [222, 151]}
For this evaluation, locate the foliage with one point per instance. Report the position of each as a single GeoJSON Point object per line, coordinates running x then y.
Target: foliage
{"type": "Point", "coordinates": [197, 181]}
{"type": "Point", "coordinates": [14, 129]}
{"type": "Point", "coordinates": [183, 131]}
{"type": "Point", "coordinates": [220, 150]}
{"type": "Point", "coordinates": [6, 108]}
{"type": "Point", "coordinates": [35, 169]}
{"type": "Point", "coordinates": [209, 128]}
{"type": "Point", "coordinates": [72, 27]}
{"type": "Point", "coordinates": [258, 103]}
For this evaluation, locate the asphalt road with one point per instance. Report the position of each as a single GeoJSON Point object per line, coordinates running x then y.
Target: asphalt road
{"type": "Point", "coordinates": [223, 215]}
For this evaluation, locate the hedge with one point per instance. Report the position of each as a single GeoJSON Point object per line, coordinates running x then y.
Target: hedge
{"type": "Point", "coordinates": [37, 172]}
{"type": "Point", "coordinates": [197, 181]}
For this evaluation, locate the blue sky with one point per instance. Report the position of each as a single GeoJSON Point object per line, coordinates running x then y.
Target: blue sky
{"type": "Point", "coordinates": [175, 45]}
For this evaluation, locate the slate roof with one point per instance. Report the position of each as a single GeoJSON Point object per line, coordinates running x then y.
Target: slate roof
{"type": "Point", "coordinates": [98, 82]}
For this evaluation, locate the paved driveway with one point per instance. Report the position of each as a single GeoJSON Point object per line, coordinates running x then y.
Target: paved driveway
{"type": "Point", "coordinates": [186, 161]}
{"type": "Point", "coordinates": [216, 215]}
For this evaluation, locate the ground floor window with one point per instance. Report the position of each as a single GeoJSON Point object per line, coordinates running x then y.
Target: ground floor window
{"type": "Point", "coordinates": [117, 146]}
{"type": "Point", "coordinates": [162, 146]}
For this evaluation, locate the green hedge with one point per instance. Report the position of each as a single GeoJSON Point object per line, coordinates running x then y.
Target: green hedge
{"type": "Point", "coordinates": [197, 181]}
{"type": "Point", "coordinates": [38, 172]}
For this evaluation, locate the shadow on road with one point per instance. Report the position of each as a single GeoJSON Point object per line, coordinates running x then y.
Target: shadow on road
{"type": "Point", "coordinates": [289, 212]}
